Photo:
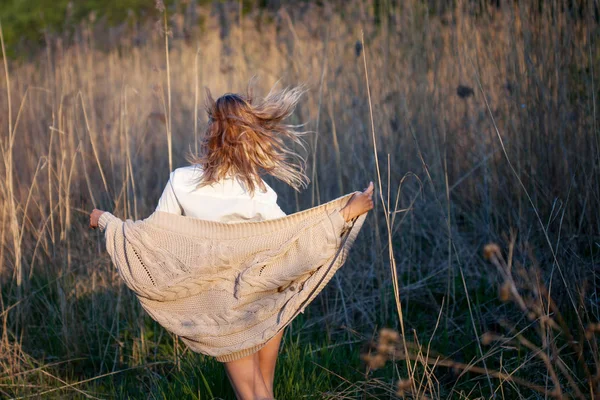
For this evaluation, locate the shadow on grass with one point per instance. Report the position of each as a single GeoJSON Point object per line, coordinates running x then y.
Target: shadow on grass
{"type": "Point", "coordinates": [68, 341]}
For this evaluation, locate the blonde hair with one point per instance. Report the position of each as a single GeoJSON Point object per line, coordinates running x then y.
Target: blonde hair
{"type": "Point", "coordinates": [246, 138]}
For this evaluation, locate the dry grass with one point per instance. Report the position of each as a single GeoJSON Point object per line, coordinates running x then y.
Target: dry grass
{"type": "Point", "coordinates": [567, 355]}
{"type": "Point", "coordinates": [483, 122]}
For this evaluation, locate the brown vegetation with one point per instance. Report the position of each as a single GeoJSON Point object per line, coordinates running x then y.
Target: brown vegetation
{"type": "Point", "coordinates": [483, 120]}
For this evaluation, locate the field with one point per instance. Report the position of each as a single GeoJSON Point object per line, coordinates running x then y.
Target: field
{"type": "Point", "coordinates": [477, 121]}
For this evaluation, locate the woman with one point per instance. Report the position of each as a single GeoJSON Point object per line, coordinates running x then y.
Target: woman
{"type": "Point", "coordinates": [244, 139]}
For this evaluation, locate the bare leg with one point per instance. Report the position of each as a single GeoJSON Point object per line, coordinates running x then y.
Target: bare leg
{"type": "Point", "coordinates": [267, 357]}
{"type": "Point", "coordinates": [252, 376]}
{"type": "Point", "coordinates": [246, 378]}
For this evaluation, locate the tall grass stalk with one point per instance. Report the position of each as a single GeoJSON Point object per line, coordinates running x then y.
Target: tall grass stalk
{"type": "Point", "coordinates": [533, 207]}
{"type": "Point", "coordinates": [196, 88]}
{"type": "Point", "coordinates": [168, 113]}
{"type": "Point", "coordinates": [315, 155]}
{"type": "Point", "coordinates": [7, 155]}
{"type": "Point", "coordinates": [392, 259]}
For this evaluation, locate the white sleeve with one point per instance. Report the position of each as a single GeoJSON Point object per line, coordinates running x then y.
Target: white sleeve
{"type": "Point", "coordinates": [168, 200]}
{"type": "Point", "coordinates": [272, 211]}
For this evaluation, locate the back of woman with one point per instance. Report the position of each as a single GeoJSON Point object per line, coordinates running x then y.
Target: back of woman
{"type": "Point", "coordinates": [227, 200]}
{"type": "Point", "coordinates": [244, 140]}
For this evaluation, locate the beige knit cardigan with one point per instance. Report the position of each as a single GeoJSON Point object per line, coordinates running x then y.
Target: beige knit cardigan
{"type": "Point", "coordinates": [227, 288]}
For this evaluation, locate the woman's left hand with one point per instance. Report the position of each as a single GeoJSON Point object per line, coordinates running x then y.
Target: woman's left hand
{"type": "Point", "coordinates": [94, 217]}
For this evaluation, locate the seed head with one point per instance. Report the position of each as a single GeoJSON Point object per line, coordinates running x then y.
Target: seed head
{"type": "Point", "coordinates": [505, 292]}
{"type": "Point", "coordinates": [591, 329]}
{"type": "Point", "coordinates": [389, 335]}
{"type": "Point", "coordinates": [404, 385]}
{"type": "Point", "coordinates": [384, 348]}
{"type": "Point", "coordinates": [160, 6]}
{"type": "Point", "coordinates": [491, 250]}
{"type": "Point", "coordinates": [377, 361]}
{"type": "Point", "coordinates": [487, 338]}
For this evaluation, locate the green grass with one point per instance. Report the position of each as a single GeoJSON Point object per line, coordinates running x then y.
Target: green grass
{"type": "Point", "coordinates": [106, 351]}
{"type": "Point", "coordinates": [309, 366]}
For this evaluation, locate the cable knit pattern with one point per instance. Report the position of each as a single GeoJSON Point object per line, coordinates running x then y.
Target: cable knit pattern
{"type": "Point", "coordinates": [227, 288]}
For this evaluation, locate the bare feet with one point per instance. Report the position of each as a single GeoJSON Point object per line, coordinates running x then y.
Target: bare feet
{"type": "Point", "coordinates": [359, 204]}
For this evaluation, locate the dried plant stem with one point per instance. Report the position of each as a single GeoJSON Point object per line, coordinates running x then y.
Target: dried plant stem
{"type": "Point", "coordinates": [128, 154]}
{"type": "Point", "coordinates": [196, 72]}
{"type": "Point", "coordinates": [7, 77]}
{"type": "Point", "coordinates": [336, 145]}
{"type": "Point", "coordinates": [68, 384]}
{"type": "Point", "coordinates": [545, 358]}
{"type": "Point", "coordinates": [9, 182]}
{"type": "Point", "coordinates": [71, 385]}
{"type": "Point", "coordinates": [393, 266]}
{"type": "Point", "coordinates": [534, 208]}
{"type": "Point", "coordinates": [472, 368]}
{"type": "Point", "coordinates": [93, 143]}
{"type": "Point", "coordinates": [453, 247]}
{"type": "Point", "coordinates": [168, 116]}
{"type": "Point", "coordinates": [314, 179]}
{"type": "Point", "coordinates": [50, 180]}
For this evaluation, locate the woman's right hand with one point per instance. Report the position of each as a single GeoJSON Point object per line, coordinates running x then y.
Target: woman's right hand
{"type": "Point", "coordinates": [359, 204]}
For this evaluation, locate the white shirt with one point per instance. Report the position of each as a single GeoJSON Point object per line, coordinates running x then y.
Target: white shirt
{"type": "Point", "coordinates": [224, 201]}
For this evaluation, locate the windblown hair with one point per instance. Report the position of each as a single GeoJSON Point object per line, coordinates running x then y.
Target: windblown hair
{"type": "Point", "coordinates": [246, 138]}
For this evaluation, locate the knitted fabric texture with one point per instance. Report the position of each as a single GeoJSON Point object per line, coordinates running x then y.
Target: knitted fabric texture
{"type": "Point", "coordinates": [227, 288]}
